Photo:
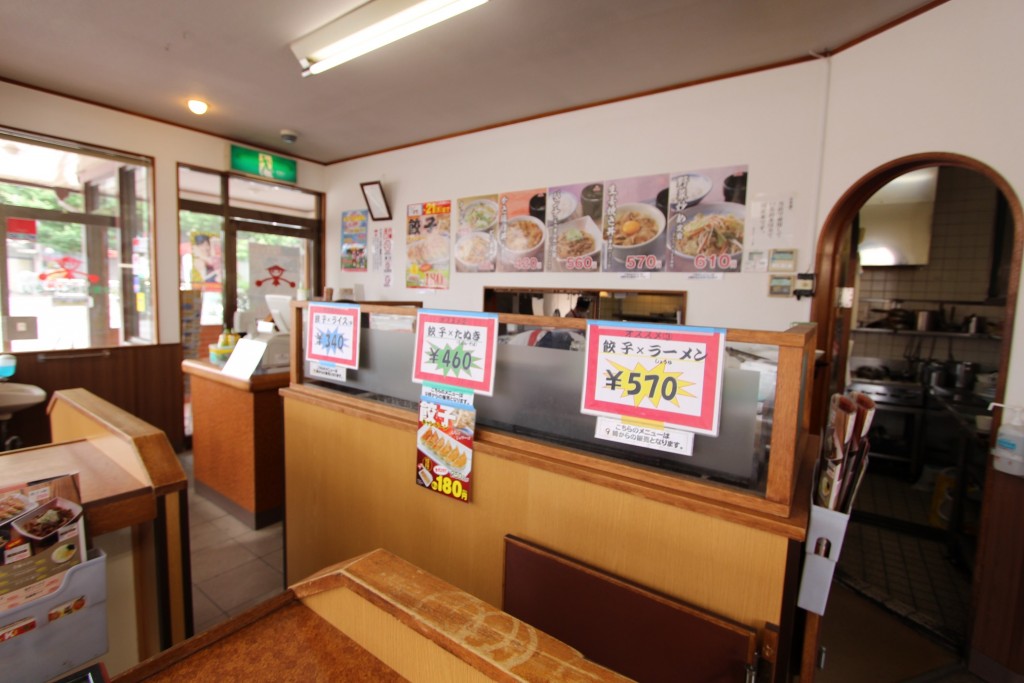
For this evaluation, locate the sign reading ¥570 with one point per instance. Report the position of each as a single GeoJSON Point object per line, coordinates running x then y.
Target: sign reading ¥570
{"type": "Point", "coordinates": [265, 165]}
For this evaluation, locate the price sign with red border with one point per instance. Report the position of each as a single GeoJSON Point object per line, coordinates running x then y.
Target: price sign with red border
{"type": "Point", "coordinates": [663, 373]}
{"type": "Point", "coordinates": [456, 348]}
{"type": "Point", "coordinates": [333, 334]}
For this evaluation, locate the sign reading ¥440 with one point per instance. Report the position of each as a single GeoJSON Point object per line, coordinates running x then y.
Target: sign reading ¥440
{"type": "Point", "coordinates": [265, 165]}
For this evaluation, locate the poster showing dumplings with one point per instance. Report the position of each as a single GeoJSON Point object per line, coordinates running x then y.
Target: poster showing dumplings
{"type": "Point", "coordinates": [635, 213]}
{"type": "Point", "coordinates": [522, 231]}
{"type": "Point", "coordinates": [476, 246]}
{"type": "Point", "coordinates": [706, 218]}
{"type": "Point", "coordinates": [574, 218]}
{"type": "Point", "coordinates": [444, 448]}
{"type": "Point", "coordinates": [428, 245]}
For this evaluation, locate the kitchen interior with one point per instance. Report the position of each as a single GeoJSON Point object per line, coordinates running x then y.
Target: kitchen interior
{"type": "Point", "coordinates": [926, 338]}
{"type": "Point", "coordinates": [638, 306]}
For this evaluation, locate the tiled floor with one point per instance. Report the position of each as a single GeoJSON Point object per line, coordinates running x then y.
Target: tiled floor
{"type": "Point", "coordinates": [233, 567]}
{"type": "Point", "coordinates": [912, 576]}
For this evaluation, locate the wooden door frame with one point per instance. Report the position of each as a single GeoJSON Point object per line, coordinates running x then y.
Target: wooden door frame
{"type": "Point", "coordinates": [835, 229]}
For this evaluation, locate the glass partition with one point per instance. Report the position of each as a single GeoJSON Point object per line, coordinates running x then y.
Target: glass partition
{"type": "Point", "coordinates": [537, 395]}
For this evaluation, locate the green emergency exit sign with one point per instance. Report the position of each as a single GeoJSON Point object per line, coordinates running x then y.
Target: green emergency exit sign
{"type": "Point", "coordinates": [265, 165]}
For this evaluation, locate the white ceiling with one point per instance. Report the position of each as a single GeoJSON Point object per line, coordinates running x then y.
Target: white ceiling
{"type": "Point", "coordinates": [504, 61]}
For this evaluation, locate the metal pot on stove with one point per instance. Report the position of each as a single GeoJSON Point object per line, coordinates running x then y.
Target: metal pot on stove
{"type": "Point", "coordinates": [936, 375]}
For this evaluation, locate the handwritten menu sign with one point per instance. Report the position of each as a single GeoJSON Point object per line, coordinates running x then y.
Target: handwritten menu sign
{"type": "Point", "coordinates": [457, 349]}
{"type": "Point", "coordinates": [660, 373]}
{"type": "Point", "coordinates": [444, 447]}
{"type": "Point", "coordinates": [332, 339]}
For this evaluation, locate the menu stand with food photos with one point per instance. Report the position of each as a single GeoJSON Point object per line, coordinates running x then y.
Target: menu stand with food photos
{"type": "Point", "coordinates": [455, 357]}
{"type": "Point", "coordinates": [52, 591]}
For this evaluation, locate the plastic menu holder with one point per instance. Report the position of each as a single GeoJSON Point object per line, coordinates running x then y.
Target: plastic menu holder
{"type": "Point", "coordinates": [58, 632]}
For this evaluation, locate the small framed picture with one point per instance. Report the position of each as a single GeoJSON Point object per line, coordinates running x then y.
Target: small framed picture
{"type": "Point", "coordinates": [780, 285]}
{"type": "Point", "coordinates": [782, 260]}
{"type": "Point", "coordinates": [376, 202]}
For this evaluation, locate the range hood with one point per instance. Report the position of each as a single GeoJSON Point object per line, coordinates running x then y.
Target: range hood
{"type": "Point", "coordinates": [896, 223]}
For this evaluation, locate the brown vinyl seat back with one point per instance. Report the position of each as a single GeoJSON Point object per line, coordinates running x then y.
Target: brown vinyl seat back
{"type": "Point", "coordinates": [620, 625]}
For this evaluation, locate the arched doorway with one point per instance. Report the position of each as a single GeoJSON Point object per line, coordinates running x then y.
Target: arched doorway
{"type": "Point", "coordinates": [836, 269]}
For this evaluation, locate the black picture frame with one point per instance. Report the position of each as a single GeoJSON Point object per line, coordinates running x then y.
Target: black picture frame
{"type": "Point", "coordinates": [376, 201]}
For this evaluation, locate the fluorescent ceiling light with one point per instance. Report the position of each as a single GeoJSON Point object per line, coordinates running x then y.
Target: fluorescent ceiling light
{"type": "Point", "coordinates": [370, 26]}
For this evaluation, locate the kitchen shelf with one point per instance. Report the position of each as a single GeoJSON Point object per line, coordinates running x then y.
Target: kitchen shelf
{"type": "Point", "coordinates": [918, 333]}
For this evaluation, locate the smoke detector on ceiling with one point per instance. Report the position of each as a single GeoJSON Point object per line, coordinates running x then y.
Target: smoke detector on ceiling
{"type": "Point", "coordinates": [289, 136]}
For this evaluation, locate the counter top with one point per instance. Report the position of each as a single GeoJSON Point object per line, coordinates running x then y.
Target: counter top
{"type": "Point", "coordinates": [373, 618]}
{"type": "Point", "coordinates": [258, 382]}
{"type": "Point", "coordinates": [683, 492]}
{"type": "Point", "coordinates": [112, 498]}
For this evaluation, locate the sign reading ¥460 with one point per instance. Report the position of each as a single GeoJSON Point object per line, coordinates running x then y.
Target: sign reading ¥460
{"type": "Point", "coordinates": [265, 165]}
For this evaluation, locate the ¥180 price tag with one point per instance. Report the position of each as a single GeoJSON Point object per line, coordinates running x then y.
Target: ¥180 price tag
{"type": "Point", "coordinates": [444, 447]}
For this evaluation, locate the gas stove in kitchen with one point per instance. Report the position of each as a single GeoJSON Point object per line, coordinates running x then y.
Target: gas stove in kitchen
{"type": "Point", "coordinates": [891, 392]}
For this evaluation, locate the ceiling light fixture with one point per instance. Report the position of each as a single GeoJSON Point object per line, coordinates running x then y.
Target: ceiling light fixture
{"type": "Point", "coordinates": [197, 107]}
{"type": "Point", "coordinates": [371, 26]}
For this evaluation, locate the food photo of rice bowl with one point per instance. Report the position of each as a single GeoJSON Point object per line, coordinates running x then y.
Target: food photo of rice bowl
{"type": "Point", "coordinates": [708, 237]}
{"type": "Point", "coordinates": [577, 245]}
{"type": "Point", "coordinates": [475, 252]}
{"type": "Point", "coordinates": [522, 243]}
{"type": "Point", "coordinates": [639, 231]}
{"type": "Point", "coordinates": [690, 188]}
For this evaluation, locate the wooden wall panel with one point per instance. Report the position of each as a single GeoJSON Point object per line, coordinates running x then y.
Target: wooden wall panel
{"type": "Point", "coordinates": [142, 380]}
{"type": "Point", "coordinates": [998, 630]}
{"type": "Point", "coordinates": [350, 488]}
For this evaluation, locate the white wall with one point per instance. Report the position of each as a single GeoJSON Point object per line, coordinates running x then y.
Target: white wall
{"type": "Point", "coordinates": [38, 112]}
{"type": "Point", "coordinates": [947, 81]}
{"type": "Point", "coordinates": [771, 121]}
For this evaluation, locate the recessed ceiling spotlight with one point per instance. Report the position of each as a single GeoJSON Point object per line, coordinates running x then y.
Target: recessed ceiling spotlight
{"type": "Point", "coordinates": [197, 107]}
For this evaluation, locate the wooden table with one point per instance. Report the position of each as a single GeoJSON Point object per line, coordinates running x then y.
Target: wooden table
{"type": "Point", "coordinates": [238, 441]}
{"type": "Point", "coordinates": [373, 618]}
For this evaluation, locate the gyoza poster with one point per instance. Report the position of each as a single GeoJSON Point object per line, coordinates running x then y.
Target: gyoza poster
{"type": "Point", "coordinates": [428, 245]}
{"type": "Point", "coordinates": [444, 447]}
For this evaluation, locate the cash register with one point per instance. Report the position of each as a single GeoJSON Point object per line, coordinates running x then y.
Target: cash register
{"type": "Point", "coordinates": [274, 335]}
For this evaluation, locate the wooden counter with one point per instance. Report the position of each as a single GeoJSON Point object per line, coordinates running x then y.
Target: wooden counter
{"type": "Point", "coordinates": [350, 487]}
{"type": "Point", "coordinates": [134, 497]}
{"type": "Point", "coordinates": [373, 618]}
{"type": "Point", "coordinates": [238, 441]}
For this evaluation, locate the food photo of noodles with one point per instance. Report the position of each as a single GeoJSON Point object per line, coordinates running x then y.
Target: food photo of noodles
{"type": "Point", "coordinates": [709, 238]}
{"type": "Point", "coordinates": [479, 214]}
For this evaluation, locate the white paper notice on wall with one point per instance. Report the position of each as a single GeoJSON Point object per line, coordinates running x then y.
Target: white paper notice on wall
{"type": "Point", "coordinates": [770, 225]}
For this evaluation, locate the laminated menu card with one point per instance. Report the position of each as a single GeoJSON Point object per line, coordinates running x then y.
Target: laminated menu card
{"type": "Point", "coordinates": [42, 533]}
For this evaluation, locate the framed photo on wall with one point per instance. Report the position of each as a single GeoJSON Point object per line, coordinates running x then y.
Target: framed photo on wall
{"type": "Point", "coordinates": [376, 202]}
